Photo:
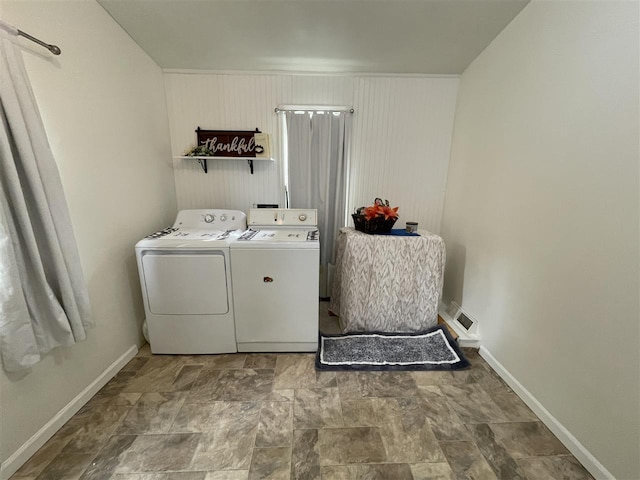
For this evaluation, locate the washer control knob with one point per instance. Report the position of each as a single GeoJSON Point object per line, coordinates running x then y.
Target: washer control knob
{"type": "Point", "coordinates": [209, 218]}
{"type": "Point", "coordinates": [302, 217]}
{"type": "Point", "coordinates": [223, 218]}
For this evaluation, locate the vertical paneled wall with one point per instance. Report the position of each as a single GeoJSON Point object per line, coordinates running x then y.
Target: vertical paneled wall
{"type": "Point", "coordinates": [402, 128]}
{"type": "Point", "coordinates": [402, 136]}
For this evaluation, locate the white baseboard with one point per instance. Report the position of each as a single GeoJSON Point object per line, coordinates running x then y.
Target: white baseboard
{"type": "Point", "coordinates": [31, 446]}
{"type": "Point", "coordinates": [578, 450]}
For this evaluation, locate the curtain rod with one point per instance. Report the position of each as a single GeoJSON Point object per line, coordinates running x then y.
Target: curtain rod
{"type": "Point", "coordinates": [313, 108]}
{"type": "Point", "coordinates": [14, 31]}
{"type": "Point", "coordinates": [52, 48]}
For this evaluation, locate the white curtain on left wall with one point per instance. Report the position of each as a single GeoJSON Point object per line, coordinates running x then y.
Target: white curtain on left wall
{"type": "Point", "coordinates": [44, 302]}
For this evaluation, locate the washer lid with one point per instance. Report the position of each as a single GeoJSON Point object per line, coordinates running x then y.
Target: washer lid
{"type": "Point", "coordinates": [293, 238]}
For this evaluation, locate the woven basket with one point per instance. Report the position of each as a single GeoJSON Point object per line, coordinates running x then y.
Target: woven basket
{"type": "Point", "coordinates": [373, 226]}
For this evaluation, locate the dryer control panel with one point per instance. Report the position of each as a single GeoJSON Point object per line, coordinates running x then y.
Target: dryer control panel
{"type": "Point", "coordinates": [290, 217]}
{"type": "Point", "coordinates": [211, 218]}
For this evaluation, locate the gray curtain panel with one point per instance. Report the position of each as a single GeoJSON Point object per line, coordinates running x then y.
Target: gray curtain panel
{"type": "Point", "coordinates": [317, 152]}
{"type": "Point", "coordinates": [44, 302]}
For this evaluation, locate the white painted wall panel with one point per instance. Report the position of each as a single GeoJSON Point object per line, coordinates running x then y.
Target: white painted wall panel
{"type": "Point", "coordinates": [541, 218]}
{"type": "Point", "coordinates": [103, 107]}
{"type": "Point", "coordinates": [402, 135]}
{"type": "Point", "coordinates": [241, 102]}
{"type": "Point", "coordinates": [402, 130]}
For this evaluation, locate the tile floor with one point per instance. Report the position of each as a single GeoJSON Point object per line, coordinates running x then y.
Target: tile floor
{"type": "Point", "coordinates": [232, 417]}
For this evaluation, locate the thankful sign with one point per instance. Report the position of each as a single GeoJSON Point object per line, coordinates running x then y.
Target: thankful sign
{"type": "Point", "coordinates": [234, 143]}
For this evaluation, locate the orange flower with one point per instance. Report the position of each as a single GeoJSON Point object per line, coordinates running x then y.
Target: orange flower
{"type": "Point", "coordinates": [379, 209]}
{"type": "Point", "coordinates": [370, 212]}
{"type": "Point", "coordinates": [388, 212]}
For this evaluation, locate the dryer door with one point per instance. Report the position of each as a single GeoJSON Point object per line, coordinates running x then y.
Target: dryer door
{"type": "Point", "coordinates": [189, 283]}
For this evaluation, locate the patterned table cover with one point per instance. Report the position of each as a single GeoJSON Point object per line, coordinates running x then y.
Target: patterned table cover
{"type": "Point", "coordinates": [387, 283]}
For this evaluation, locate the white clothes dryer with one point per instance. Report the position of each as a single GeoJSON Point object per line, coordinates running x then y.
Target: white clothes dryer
{"type": "Point", "coordinates": [185, 276]}
{"type": "Point", "coordinates": [275, 281]}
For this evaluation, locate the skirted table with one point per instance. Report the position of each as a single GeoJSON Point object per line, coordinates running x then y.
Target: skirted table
{"type": "Point", "coordinates": [387, 283]}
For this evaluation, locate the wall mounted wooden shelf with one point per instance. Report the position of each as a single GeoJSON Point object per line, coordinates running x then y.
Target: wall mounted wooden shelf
{"type": "Point", "coordinates": [203, 160]}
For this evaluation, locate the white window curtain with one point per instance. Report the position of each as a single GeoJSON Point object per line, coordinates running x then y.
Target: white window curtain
{"type": "Point", "coordinates": [44, 302]}
{"type": "Point", "coordinates": [316, 153]}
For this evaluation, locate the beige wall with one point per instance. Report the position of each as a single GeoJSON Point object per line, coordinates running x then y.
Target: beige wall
{"type": "Point", "coordinates": [541, 215]}
{"type": "Point", "coordinates": [104, 109]}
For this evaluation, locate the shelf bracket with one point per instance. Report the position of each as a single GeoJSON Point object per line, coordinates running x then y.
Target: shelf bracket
{"type": "Point", "coordinates": [250, 162]}
{"type": "Point", "coordinates": [203, 163]}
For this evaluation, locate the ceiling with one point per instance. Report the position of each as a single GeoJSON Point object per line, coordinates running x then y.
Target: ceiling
{"type": "Point", "coordinates": [373, 36]}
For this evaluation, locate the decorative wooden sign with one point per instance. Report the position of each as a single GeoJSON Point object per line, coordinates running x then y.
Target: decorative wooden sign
{"type": "Point", "coordinates": [235, 143]}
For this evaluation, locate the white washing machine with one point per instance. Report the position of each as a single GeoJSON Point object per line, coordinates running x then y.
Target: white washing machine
{"type": "Point", "coordinates": [185, 276]}
{"type": "Point", "coordinates": [275, 281]}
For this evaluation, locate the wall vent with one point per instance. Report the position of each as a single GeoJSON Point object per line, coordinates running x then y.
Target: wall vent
{"type": "Point", "coordinates": [464, 320]}
{"type": "Point", "coordinates": [464, 324]}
